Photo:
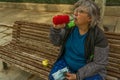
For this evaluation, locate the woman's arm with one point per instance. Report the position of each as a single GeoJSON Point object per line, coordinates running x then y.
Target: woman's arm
{"type": "Point", "coordinates": [57, 35]}
{"type": "Point", "coordinates": [99, 63]}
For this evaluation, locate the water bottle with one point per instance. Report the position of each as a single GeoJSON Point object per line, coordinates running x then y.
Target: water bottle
{"type": "Point", "coordinates": [61, 19]}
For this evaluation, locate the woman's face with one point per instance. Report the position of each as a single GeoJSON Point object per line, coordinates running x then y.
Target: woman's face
{"type": "Point", "coordinates": [81, 16]}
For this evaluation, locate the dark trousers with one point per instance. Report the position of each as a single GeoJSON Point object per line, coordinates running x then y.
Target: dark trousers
{"type": "Point", "coordinates": [61, 64]}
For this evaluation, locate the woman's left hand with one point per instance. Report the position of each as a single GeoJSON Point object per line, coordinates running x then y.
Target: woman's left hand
{"type": "Point", "coordinates": [70, 76]}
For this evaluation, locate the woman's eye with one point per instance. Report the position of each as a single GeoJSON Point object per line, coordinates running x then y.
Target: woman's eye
{"type": "Point", "coordinates": [76, 14]}
{"type": "Point", "coordinates": [81, 11]}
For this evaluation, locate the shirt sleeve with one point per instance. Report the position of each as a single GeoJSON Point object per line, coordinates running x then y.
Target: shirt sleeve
{"type": "Point", "coordinates": [99, 62]}
{"type": "Point", "coordinates": [56, 36]}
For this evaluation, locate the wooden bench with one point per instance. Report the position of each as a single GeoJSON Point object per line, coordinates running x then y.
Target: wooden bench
{"type": "Point", "coordinates": [30, 45]}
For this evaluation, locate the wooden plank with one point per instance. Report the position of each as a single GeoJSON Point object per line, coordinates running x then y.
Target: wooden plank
{"type": "Point", "coordinates": [114, 60]}
{"type": "Point", "coordinates": [40, 27]}
{"type": "Point", "coordinates": [114, 64]}
{"type": "Point", "coordinates": [24, 23]}
{"type": "Point", "coordinates": [113, 69]}
{"type": "Point", "coordinates": [115, 55]}
{"type": "Point", "coordinates": [111, 35]}
{"type": "Point", "coordinates": [114, 74]}
{"type": "Point", "coordinates": [49, 50]}
{"type": "Point", "coordinates": [34, 36]}
{"type": "Point", "coordinates": [114, 41]}
{"type": "Point", "coordinates": [115, 48]}
{"type": "Point", "coordinates": [35, 32]}
{"type": "Point", "coordinates": [111, 78]}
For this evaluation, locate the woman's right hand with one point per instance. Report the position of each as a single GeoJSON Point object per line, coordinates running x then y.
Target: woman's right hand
{"type": "Point", "coordinates": [59, 26]}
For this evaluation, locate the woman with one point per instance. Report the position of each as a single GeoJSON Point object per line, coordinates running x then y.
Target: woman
{"type": "Point", "coordinates": [84, 47]}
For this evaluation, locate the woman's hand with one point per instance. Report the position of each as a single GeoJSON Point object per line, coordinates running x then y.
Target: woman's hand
{"type": "Point", "coordinates": [60, 26]}
{"type": "Point", "coordinates": [70, 76]}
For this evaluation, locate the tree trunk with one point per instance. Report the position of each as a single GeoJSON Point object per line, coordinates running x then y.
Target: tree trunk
{"type": "Point", "coordinates": [101, 4]}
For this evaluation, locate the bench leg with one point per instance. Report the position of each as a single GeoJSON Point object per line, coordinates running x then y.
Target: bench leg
{"type": "Point", "coordinates": [5, 66]}
{"type": "Point", "coordinates": [1, 65]}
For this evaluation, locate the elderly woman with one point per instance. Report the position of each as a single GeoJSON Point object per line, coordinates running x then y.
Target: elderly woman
{"type": "Point", "coordinates": [84, 47]}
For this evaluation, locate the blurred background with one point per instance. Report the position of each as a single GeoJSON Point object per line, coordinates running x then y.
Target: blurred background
{"type": "Point", "coordinates": [108, 2]}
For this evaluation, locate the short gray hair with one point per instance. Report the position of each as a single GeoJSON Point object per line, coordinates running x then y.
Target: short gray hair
{"type": "Point", "coordinates": [93, 10]}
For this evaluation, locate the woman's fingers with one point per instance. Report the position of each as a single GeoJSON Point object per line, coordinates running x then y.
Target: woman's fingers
{"type": "Point", "coordinates": [60, 26]}
{"type": "Point", "coordinates": [70, 76]}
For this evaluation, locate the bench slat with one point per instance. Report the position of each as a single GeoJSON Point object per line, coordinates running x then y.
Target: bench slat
{"type": "Point", "coordinates": [115, 55]}
{"type": "Point", "coordinates": [115, 48]}
{"type": "Point", "coordinates": [111, 35]}
{"type": "Point", "coordinates": [113, 41]}
{"type": "Point", "coordinates": [114, 75]}
{"type": "Point", "coordinates": [111, 59]}
{"type": "Point", "coordinates": [113, 69]}
{"type": "Point", "coordinates": [111, 78]}
{"type": "Point", "coordinates": [114, 64]}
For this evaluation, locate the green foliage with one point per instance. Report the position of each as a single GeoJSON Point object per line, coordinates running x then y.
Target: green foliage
{"type": "Point", "coordinates": [109, 2]}
{"type": "Point", "coordinates": [44, 1]}
{"type": "Point", "coordinates": [113, 2]}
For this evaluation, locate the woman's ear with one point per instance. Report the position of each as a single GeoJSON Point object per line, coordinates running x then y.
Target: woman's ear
{"type": "Point", "coordinates": [89, 19]}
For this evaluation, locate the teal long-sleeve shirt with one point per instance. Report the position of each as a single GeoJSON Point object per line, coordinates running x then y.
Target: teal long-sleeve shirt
{"type": "Point", "coordinates": [74, 50]}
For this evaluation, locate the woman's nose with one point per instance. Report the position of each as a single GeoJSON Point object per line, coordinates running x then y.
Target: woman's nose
{"type": "Point", "coordinates": [76, 14]}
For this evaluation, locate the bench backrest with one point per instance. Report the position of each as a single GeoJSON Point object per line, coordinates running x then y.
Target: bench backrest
{"type": "Point", "coordinates": [33, 37]}
{"type": "Point", "coordinates": [114, 56]}
{"type": "Point", "coordinates": [37, 35]}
